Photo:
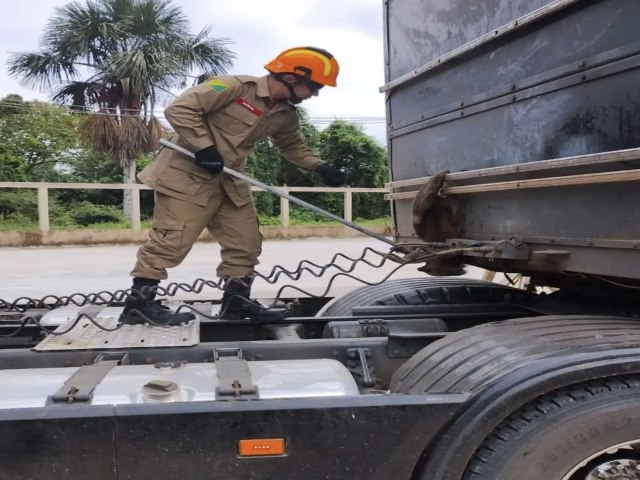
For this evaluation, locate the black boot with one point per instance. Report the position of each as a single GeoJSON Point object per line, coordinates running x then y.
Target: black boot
{"type": "Point", "coordinates": [141, 303]}
{"type": "Point", "coordinates": [237, 304]}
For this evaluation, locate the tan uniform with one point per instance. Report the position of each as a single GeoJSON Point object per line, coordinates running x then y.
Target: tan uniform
{"type": "Point", "coordinates": [233, 113]}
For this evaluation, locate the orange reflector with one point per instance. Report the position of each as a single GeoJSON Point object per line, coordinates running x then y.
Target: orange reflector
{"type": "Point", "coordinates": [261, 447]}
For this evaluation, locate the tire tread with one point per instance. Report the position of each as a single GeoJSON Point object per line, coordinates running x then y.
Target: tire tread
{"type": "Point", "coordinates": [525, 417]}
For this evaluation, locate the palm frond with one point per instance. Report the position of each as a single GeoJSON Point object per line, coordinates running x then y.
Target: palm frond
{"type": "Point", "coordinates": [84, 32]}
{"type": "Point", "coordinates": [74, 94]}
{"type": "Point", "coordinates": [209, 55]}
{"type": "Point", "coordinates": [102, 132]}
{"type": "Point", "coordinates": [38, 69]}
{"type": "Point", "coordinates": [160, 18]}
{"type": "Point", "coordinates": [156, 132]}
{"type": "Point", "coordinates": [131, 65]}
{"type": "Point", "coordinates": [134, 136]}
{"type": "Point", "coordinates": [135, 50]}
{"type": "Point", "coordinates": [119, 10]}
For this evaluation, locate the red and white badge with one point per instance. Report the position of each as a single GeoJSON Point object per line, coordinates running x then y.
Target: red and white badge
{"type": "Point", "coordinates": [248, 106]}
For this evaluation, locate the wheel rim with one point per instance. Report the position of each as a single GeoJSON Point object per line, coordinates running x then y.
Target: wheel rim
{"type": "Point", "coordinates": [619, 462]}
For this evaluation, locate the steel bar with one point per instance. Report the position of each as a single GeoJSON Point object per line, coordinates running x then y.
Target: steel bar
{"type": "Point", "coordinates": [565, 181]}
{"type": "Point", "coordinates": [541, 165]}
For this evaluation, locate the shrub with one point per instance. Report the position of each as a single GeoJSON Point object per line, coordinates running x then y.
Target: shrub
{"type": "Point", "coordinates": [22, 203]}
{"type": "Point", "coordinates": [86, 213]}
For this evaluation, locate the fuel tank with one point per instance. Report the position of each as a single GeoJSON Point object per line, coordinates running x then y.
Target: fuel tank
{"type": "Point", "coordinates": [162, 383]}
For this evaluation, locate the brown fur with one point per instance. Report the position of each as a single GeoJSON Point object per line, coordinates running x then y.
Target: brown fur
{"type": "Point", "coordinates": [437, 218]}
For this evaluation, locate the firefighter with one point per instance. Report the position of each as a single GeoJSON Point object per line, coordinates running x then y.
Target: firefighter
{"type": "Point", "coordinates": [221, 120]}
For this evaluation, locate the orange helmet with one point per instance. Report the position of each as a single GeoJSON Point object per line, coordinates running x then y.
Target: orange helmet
{"type": "Point", "coordinates": [312, 63]}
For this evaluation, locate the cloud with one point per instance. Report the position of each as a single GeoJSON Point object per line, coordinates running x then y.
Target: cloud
{"type": "Point", "coordinates": [258, 30]}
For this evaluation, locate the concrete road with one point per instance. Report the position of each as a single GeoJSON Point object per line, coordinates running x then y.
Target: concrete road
{"type": "Point", "coordinates": [39, 271]}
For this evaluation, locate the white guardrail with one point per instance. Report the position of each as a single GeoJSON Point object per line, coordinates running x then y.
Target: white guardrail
{"type": "Point", "coordinates": [44, 187]}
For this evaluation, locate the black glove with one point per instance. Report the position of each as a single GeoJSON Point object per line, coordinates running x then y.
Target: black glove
{"type": "Point", "coordinates": [330, 175]}
{"type": "Point", "coordinates": [210, 159]}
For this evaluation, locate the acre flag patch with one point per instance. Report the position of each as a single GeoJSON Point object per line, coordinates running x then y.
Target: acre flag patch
{"type": "Point", "coordinates": [217, 85]}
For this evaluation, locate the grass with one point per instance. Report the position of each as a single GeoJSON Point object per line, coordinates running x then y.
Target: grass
{"type": "Point", "coordinates": [17, 226]}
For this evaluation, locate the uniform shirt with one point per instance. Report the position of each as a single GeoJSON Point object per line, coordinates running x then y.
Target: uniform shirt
{"type": "Point", "coordinates": [233, 113]}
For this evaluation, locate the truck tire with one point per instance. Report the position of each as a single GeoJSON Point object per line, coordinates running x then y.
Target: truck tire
{"type": "Point", "coordinates": [417, 291]}
{"type": "Point", "coordinates": [589, 431]}
{"type": "Point", "coordinates": [475, 359]}
{"type": "Point", "coordinates": [469, 360]}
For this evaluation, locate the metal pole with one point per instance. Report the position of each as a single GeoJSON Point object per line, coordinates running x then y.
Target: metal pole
{"type": "Point", "coordinates": [295, 200]}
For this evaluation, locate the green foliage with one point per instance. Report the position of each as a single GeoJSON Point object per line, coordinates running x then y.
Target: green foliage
{"type": "Point", "coordinates": [346, 146]}
{"type": "Point", "coordinates": [290, 175]}
{"type": "Point", "coordinates": [302, 216]}
{"type": "Point", "coordinates": [87, 213]}
{"type": "Point", "coordinates": [48, 147]}
{"type": "Point", "coordinates": [342, 144]}
{"type": "Point", "coordinates": [269, 221]}
{"type": "Point", "coordinates": [89, 166]}
{"type": "Point", "coordinates": [35, 138]}
{"type": "Point", "coordinates": [131, 52]}
{"type": "Point", "coordinates": [12, 168]}
{"type": "Point", "coordinates": [18, 205]}
{"type": "Point", "coordinates": [265, 164]}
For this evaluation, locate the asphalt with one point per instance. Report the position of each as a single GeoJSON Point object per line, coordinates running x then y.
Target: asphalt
{"type": "Point", "coordinates": [40, 271]}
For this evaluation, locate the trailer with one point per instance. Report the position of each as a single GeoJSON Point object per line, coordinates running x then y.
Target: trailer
{"type": "Point", "coordinates": [514, 145]}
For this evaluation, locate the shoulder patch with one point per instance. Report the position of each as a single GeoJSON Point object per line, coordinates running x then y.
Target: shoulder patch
{"type": "Point", "coordinates": [217, 85]}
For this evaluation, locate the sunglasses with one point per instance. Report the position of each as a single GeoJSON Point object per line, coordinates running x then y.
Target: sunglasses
{"type": "Point", "coordinates": [313, 85]}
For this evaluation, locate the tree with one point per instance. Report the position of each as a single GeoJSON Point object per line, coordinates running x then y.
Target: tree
{"type": "Point", "coordinates": [342, 144]}
{"type": "Point", "coordinates": [35, 139]}
{"type": "Point", "coordinates": [129, 52]}
{"type": "Point", "coordinates": [267, 165]}
{"type": "Point", "coordinates": [347, 147]}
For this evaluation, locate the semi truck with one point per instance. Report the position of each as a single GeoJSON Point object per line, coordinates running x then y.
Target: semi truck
{"type": "Point", "coordinates": [513, 133]}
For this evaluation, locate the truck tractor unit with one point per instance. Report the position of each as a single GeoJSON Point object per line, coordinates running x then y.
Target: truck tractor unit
{"type": "Point", "coordinates": [513, 133]}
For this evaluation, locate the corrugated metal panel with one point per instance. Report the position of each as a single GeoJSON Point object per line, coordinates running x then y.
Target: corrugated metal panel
{"type": "Point", "coordinates": [565, 85]}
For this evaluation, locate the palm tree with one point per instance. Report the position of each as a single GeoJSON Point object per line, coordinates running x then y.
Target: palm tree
{"type": "Point", "coordinates": [129, 54]}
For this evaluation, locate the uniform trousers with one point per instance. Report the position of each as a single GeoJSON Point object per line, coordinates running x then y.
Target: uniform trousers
{"type": "Point", "coordinates": [177, 224]}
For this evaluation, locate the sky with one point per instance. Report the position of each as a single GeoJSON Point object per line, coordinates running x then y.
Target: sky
{"type": "Point", "coordinates": [258, 30]}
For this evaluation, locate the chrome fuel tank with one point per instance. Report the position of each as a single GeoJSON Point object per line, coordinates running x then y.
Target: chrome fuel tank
{"type": "Point", "coordinates": [129, 384]}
